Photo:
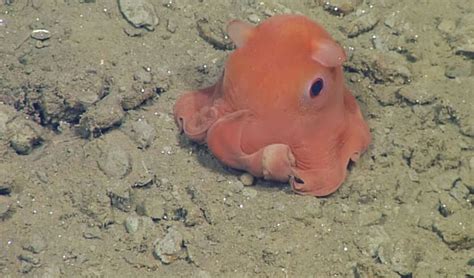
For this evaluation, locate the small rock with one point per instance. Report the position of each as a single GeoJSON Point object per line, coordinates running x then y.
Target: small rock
{"type": "Point", "coordinates": [466, 124]}
{"type": "Point", "coordinates": [445, 180]}
{"type": "Point", "coordinates": [171, 26]}
{"type": "Point", "coordinates": [237, 187]}
{"type": "Point", "coordinates": [133, 32]}
{"type": "Point", "coordinates": [459, 191]}
{"type": "Point", "coordinates": [214, 34]}
{"type": "Point", "coordinates": [135, 97]}
{"type": "Point", "coordinates": [106, 114]}
{"type": "Point", "coordinates": [155, 209]}
{"type": "Point", "coordinates": [23, 136]}
{"type": "Point", "coordinates": [143, 76]}
{"type": "Point", "coordinates": [309, 209]}
{"type": "Point", "coordinates": [143, 133]}
{"type": "Point", "coordinates": [340, 7]}
{"type": "Point", "coordinates": [458, 69]}
{"type": "Point", "coordinates": [199, 273]}
{"type": "Point", "coordinates": [447, 26]}
{"type": "Point", "coordinates": [5, 208]}
{"type": "Point", "coordinates": [370, 217]}
{"type": "Point", "coordinates": [447, 205]}
{"type": "Point", "coordinates": [382, 67]}
{"type": "Point", "coordinates": [361, 25]}
{"type": "Point", "coordinates": [5, 115]}
{"type": "Point", "coordinates": [457, 231]}
{"type": "Point", "coordinates": [417, 93]}
{"type": "Point", "coordinates": [42, 176]}
{"type": "Point", "coordinates": [169, 249]}
{"type": "Point", "coordinates": [115, 162]}
{"type": "Point", "coordinates": [29, 259]}
{"type": "Point", "coordinates": [253, 18]}
{"type": "Point", "coordinates": [194, 216]}
{"type": "Point", "coordinates": [461, 39]}
{"type": "Point", "coordinates": [122, 203]}
{"type": "Point", "coordinates": [131, 224]}
{"type": "Point", "coordinates": [92, 233]}
{"type": "Point", "coordinates": [140, 13]}
{"type": "Point", "coordinates": [400, 256]}
{"type": "Point", "coordinates": [246, 179]}
{"type": "Point", "coordinates": [249, 192]}
{"type": "Point", "coordinates": [386, 95]}
{"type": "Point", "coordinates": [146, 180]}
{"type": "Point", "coordinates": [36, 244]}
{"type": "Point", "coordinates": [5, 187]}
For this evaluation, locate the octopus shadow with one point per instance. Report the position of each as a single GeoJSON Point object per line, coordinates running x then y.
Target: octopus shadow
{"type": "Point", "coordinates": [207, 160]}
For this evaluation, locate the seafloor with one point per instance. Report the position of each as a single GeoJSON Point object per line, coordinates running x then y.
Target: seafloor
{"type": "Point", "coordinates": [95, 180]}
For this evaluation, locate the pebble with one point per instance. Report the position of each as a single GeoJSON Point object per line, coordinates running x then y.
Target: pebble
{"type": "Point", "coordinates": [171, 26]}
{"type": "Point", "coordinates": [417, 93]}
{"type": "Point", "coordinates": [139, 13]}
{"type": "Point", "coordinates": [459, 191]}
{"type": "Point", "coordinates": [169, 248]}
{"type": "Point", "coordinates": [152, 208]}
{"type": "Point", "coordinates": [341, 7]}
{"type": "Point", "coordinates": [447, 26]}
{"type": "Point", "coordinates": [246, 179]}
{"type": "Point", "coordinates": [143, 76]}
{"type": "Point", "coordinates": [25, 138]}
{"type": "Point", "coordinates": [253, 18]}
{"type": "Point", "coordinates": [362, 25]}
{"type": "Point", "coordinates": [29, 259]}
{"type": "Point", "coordinates": [5, 187]}
{"type": "Point", "coordinates": [383, 67]}
{"type": "Point", "coordinates": [456, 230]}
{"type": "Point", "coordinates": [400, 256]}
{"type": "Point", "coordinates": [106, 114]}
{"type": "Point", "coordinates": [133, 32]}
{"type": "Point", "coordinates": [386, 95]}
{"type": "Point", "coordinates": [445, 180]}
{"type": "Point", "coordinates": [143, 133]}
{"type": "Point", "coordinates": [447, 205]}
{"type": "Point", "coordinates": [131, 99]}
{"type": "Point", "coordinates": [461, 40]}
{"type": "Point", "coordinates": [92, 233]}
{"type": "Point", "coordinates": [237, 186]}
{"type": "Point", "coordinates": [370, 217]}
{"type": "Point", "coordinates": [115, 162]}
{"type": "Point", "coordinates": [42, 176]}
{"type": "Point", "coordinates": [249, 192]}
{"type": "Point", "coordinates": [4, 118]}
{"type": "Point", "coordinates": [36, 244]}
{"type": "Point", "coordinates": [131, 224]}
{"type": "Point", "coordinates": [458, 69]}
{"type": "Point", "coordinates": [213, 35]}
{"type": "Point", "coordinates": [5, 207]}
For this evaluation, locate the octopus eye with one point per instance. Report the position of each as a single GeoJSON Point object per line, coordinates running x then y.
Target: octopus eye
{"type": "Point", "coordinates": [316, 88]}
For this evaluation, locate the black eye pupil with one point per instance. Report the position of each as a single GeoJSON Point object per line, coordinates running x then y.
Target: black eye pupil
{"type": "Point", "coordinates": [316, 88]}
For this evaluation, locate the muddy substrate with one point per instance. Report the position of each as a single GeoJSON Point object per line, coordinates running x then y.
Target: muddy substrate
{"type": "Point", "coordinates": [95, 180]}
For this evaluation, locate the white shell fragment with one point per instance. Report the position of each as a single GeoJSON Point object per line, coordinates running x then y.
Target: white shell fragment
{"type": "Point", "coordinates": [40, 34]}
